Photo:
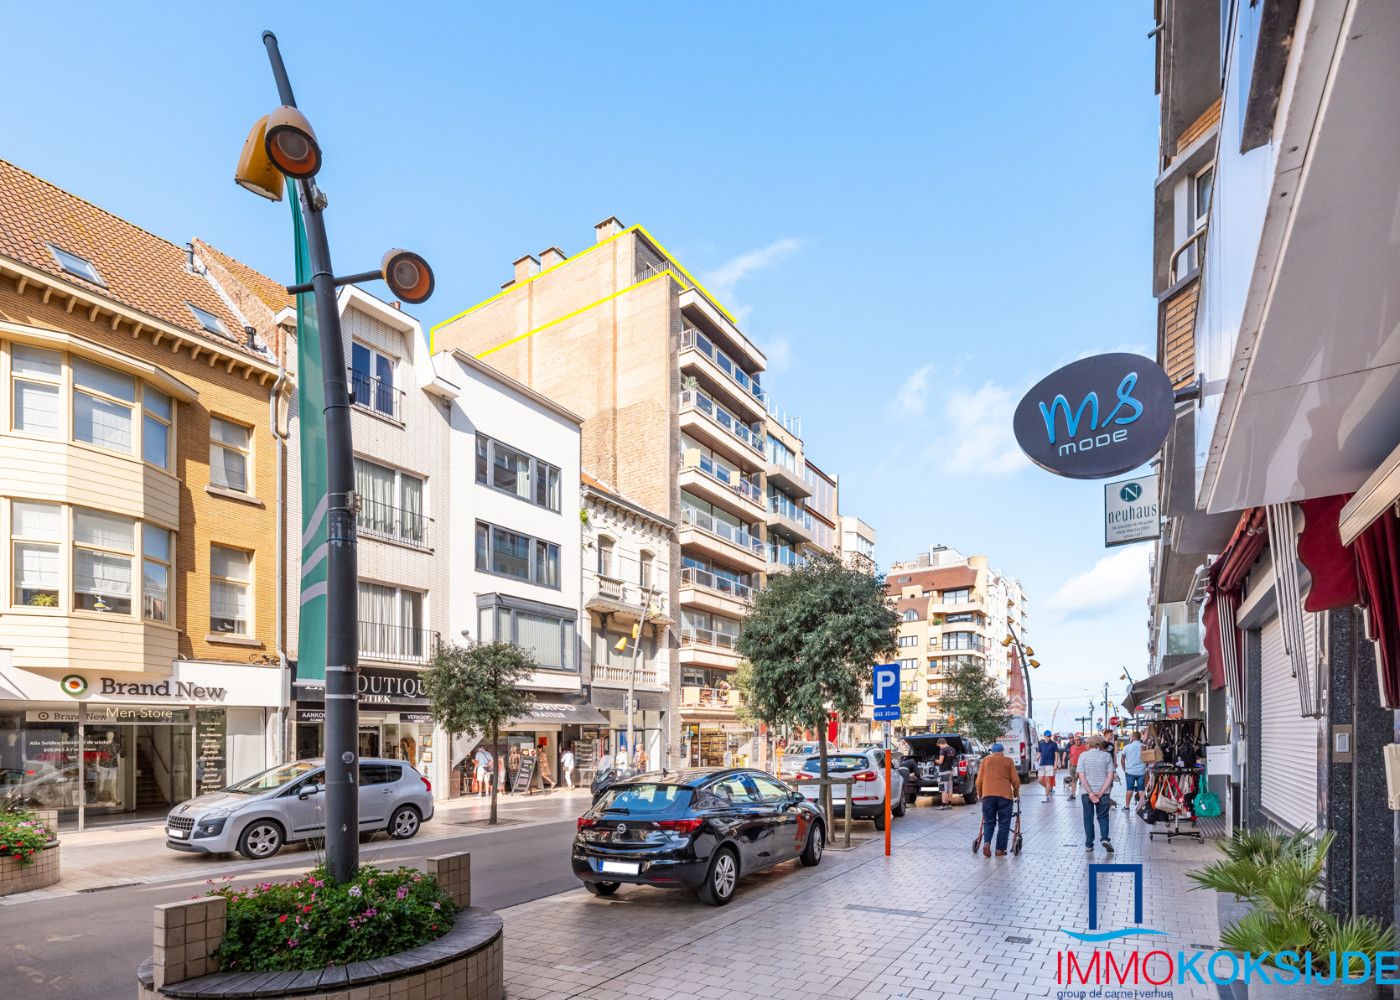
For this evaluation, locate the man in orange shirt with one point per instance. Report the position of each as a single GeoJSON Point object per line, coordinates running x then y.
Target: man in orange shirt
{"type": "Point", "coordinates": [1076, 749]}
{"type": "Point", "coordinates": [998, 785]}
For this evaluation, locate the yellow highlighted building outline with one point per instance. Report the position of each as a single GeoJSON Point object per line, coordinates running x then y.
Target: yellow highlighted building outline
{"type": "Point", "coordinates": [432, 331]}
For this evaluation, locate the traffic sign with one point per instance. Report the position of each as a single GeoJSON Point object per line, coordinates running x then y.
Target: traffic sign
{"type": "Point", "coordinates": [885, 683]}
{"type": "Point", "coordinates": [1115, 721]}
{"type": "Point", "coordinates": [886, 713]}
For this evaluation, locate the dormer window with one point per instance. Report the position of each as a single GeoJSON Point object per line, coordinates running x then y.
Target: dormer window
{"type": "Point", "coordinates": [78, 267]}
{"type": "Point", "coordinates": [208, 320]}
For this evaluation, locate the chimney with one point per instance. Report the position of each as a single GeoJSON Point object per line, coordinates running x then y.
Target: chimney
{"type": "Point", "coordinates": [608, 228]}
{"type": "Point", "coordinates": [551, 256]}
{"type": "Point", "coordinates": [526, 267]}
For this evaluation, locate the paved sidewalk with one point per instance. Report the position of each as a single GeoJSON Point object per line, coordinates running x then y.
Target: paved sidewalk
{"type": "Point", "coordinates": [135, 853]}
{"type": "Point", "coordinates": [934, 921]}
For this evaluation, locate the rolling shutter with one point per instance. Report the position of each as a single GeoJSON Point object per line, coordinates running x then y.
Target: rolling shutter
{"type": "Point", "coordinates": [1287, 740]}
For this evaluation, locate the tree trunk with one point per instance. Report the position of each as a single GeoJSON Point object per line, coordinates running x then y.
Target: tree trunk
{"type": "Point", "coordinates": [496, 768]}
{"type": "Point", "coordinates": [825, 788]}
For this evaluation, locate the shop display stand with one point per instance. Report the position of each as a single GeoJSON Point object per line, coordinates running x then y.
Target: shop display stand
{"type": "Point", "coordinates": [1171, 775]}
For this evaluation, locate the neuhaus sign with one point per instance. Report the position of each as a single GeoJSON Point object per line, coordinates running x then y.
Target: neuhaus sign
{"type": "Point", "coordinates": [1097, 417]}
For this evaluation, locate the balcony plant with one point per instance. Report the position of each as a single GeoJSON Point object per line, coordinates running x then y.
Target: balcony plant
{"type": "Point", "coordinates": [42, 600]}
{"type": "Point", "coordinates": [314, 923]}
{"type": "Point", "coordinates": [1280, 876]}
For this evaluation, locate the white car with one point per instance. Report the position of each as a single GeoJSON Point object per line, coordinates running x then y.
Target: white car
{"type": "Point", "coordinates": [867, 768]}
{"type": "Point", "coordinates": [794, 755]}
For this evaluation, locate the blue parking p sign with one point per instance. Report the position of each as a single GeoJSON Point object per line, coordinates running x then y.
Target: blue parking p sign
{"type": "Point", "coordinates": [885, 685]}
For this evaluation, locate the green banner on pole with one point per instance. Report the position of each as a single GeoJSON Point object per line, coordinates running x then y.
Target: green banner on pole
{"type": "Point", "coordinates": [311, 416]}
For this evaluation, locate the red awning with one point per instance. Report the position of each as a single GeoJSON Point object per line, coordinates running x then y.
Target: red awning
{"type": "Point", "coordinates": [1377, 552]}
{"type": "Point", "coordinates": [1227, 575]}
{"type": "Point", "coordinates": [1333, 566]}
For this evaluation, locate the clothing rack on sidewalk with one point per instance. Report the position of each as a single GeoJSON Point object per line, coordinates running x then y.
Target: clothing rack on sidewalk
{"type": "Point", "coordinates": [1172, 784]}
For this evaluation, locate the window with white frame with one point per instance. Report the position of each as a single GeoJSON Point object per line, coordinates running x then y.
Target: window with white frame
{"type": "Point", "coordinates": [606, 565]}
{"type": "Point", "coordinates": [103, 401]}
{"type": "Point", "coordinates": [503, 552]}
{"type": "Point", "coordinates": [391, 623]}
{"type": "Point", "coordinates": [157, 416]}
{"type": "Point", "coordinates": [549, 636]}
{"type": "Point", "coordinates": [230, 591]}
{"type": "Point", "coordinates": [906, 641]}
{"type": "Point", "coordinates": [391, 502]}
{"type": "Point", "coordinates": [104, 547]}
{"type": "Point", "coordinates": [516, 472]}
{"type": "Point", "coordinates": [1201, 186]}
{"type": "Point", "coordinates": [37, 379]}
{"type": "Point", "coordinates": [230, 448]}
{"type": "Point", "coordinates": [36, 541]}
{"type": "Point", "coordinates": [372, 380]}
{"type": "Point", "coordinates": [79, 267]}
{"type": "Point", "coordinates": [646, 569]}
{"type": "Point", "coordinates": [156, 562]}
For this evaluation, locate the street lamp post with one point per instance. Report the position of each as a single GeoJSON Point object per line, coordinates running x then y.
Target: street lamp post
{"type": "Point", "coordinates": [632, 674]}
{"type": "Point", "coordinates": [283, 144]}
{"type": "Point", "coordinates": [1025, 666]}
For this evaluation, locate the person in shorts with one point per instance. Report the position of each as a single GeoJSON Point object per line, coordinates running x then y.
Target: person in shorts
{"type": "Point", "coordinates": [1135, 771]}
{"type": "Point", "coordinates": [1046, 750]}
{"type": "Point", "coordinates": [1076, 750]}
{"type": "Point", "coordinates": [947, 763]}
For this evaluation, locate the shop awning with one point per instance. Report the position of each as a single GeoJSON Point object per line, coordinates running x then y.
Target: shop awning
{"type": "Point", "coordinates": [560, 711]}
{"type": "Point", "coordinates": [1177, 678]}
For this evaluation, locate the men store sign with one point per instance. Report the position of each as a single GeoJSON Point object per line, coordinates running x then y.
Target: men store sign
{"type": "Point", "coordinates": [1097, 417]}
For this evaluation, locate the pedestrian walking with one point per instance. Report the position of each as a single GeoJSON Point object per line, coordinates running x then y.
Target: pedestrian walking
{"type": "Point", "coordinates": [1134, 771]}
{"type": "Point", "coordinates": [999, 786]}
{"type": "Point", "coordinates": [482, 758]}
{"type": "Point", "coordinates": [1076, 750]}
{"type": "Point", "coordinates": [566, 767]}
{"type": "Point", "coordinates": [1095, 779]}
{"type": "Point", "coordinates": [947, 762]}
{"type": "Point", "coordinates": [641, 759]}
{"type": "Point", "coordinates": [546, 779]}
{"type": "Point", "coordinates": [1048, 749]}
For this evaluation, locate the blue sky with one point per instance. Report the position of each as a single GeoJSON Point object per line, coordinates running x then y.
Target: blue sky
{"type": "Point", "coordinates": [918, 210]}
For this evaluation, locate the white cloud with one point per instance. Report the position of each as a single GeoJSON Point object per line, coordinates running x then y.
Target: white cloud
{"type": "Point", "coordinates": [912, 396]}
{"type": "Point", "coordinates": [1114, 581]}
{"type": "Point", "coordinates": [778, 351]}
{"type": "Point", "coordinates": [978, 437]}
{"type": "Point", "coordinates": [722, 279]}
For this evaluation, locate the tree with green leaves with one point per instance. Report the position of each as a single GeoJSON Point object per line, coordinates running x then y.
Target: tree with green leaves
{"type": "Point", "coordinates": [975, 703]}
{"type": "Point", "coordinates": [908, 706]}
{"type": "Point", "coordinates": [476, 688]}
{"type": "Point", "coordinates": [811, 638]}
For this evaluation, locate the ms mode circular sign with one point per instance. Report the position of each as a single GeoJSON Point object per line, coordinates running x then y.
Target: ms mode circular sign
{"type": "Point", "coordinates": [1096, 417]}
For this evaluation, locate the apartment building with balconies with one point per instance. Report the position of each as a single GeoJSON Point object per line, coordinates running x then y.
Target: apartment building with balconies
{"type": "Point", "coordinates": [627, 587]}
{"type": "Point", "coordinates": [857, 543]}
{"type": "Point", "coordinates": [676, 419]}
{"type": "Point", "coordinates": [139, 653]}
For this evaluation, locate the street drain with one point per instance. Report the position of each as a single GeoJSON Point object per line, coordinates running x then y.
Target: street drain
{"type": "Point", "coordinates": [1015, 939]}
{"type": "Point", "coordinates": [104, 888]}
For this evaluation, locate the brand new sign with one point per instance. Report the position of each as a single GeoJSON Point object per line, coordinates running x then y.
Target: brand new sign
{"type": "Point", "coordinates": [1097, 417]}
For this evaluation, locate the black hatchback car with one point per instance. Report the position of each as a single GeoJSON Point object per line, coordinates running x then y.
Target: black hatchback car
{"type": "Point", "coordinates": [697, 829]}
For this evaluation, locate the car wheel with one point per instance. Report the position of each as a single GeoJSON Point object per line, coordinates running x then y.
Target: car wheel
{"type": "Point", "coordinates": [880, 820]}
{"type": "Point", "coordinates": [404, 823]}
{"type": "Point", "coordinates": [816, 840]}
{"type": "Point", "coordinates": [912, 799]}
{"type": "Point", "coordinates": [722, 878]}
{"type": "Point", "coordinates": [898, 808]}
{"type": "Point", "coordinates": [602, 888]}
{"type": "Point", "coordinates": [260, 839]}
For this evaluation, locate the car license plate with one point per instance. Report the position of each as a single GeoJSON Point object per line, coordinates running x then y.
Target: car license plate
{"type": "Point", "coordinates": [175, 834]}
{"type": "Point", "coordinates": [621, 867]}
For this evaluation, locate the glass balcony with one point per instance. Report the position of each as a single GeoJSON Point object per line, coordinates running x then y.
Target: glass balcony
{"type": "Point", "coordinates": [694, 399]}
{"type": "Point", "coordinates": [691, 577]}
{"type": "Point", "coordinates": [781, 555]}
{"type": "Point", "coordinates": [711, 525]}
{"type": "Point", "coordinates": [724, 475]}
{"type": "Point", "coordinates": [783, 507]}
{"type": "Point", "coordinates": [692, 635]}
{"type": "Point", "coordinates": [693, 339]}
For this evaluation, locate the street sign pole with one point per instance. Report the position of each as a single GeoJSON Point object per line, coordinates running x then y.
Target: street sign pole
{"type": "Point", "coordinates": [887, 790]}
{"type": "Point", "coordinates": [885, 687]}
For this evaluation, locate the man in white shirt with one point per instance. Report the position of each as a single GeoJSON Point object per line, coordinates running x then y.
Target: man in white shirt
{"type": "Point", "coordinates": [566, 767]}
{"type": "Point", "coordinates": [1095, 780]}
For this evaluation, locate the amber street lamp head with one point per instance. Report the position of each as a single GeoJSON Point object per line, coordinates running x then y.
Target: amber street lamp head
{"type": "Point", "coordinates": [408, 275]}
{"type": "Point", "coordinates": [291, 144]}
{"type": "Point", "coordinates": [256, 171]}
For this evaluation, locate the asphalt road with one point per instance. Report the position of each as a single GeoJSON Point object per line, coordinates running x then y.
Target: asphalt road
{"type": "Point", "coordinates": [87, 946]}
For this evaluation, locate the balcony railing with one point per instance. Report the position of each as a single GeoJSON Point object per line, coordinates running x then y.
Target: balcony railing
{"type": "Point", "coordinates": [725, 476]}
{"type": "Point", "coordinates": [947, 607]}
{"type": "Point", "coordinates": [780, 555]}
{"type": "Point", "coordinates": [375, 395]}
{"type": "Point", "coordinates": [784, 507]}
{"type": "Point", "coordinates": [620, 674]}
{"type": "Point", "coordinates": [707, 697]}
{"type": "Point", "coordinates": [395, 643]}
{"type": "Point", "coordinates": [695, 635]}
{"type": "Point", "coordinates": [691, 577]}
{"type": "Point", "coordinates": [790, 422]}
{"type": "Point", "coordinates": [633, 594]}
{"type": "Point", "coordinates": [694, 399]}
{"type": "Point", "coordinates": [693, 338]}
{"type": "Point", "coordinates": [379, 520]}
{"type": "Point", "coordinates": [711, 525]}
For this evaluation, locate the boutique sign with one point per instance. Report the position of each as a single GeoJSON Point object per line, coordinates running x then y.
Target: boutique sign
{"type": "Point", "coordinates": [1096, 417]}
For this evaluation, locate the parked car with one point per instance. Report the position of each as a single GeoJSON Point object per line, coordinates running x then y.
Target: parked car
{"type": "Point", "coordinates": [867, 769]}
{"type": "Point", "coordinates": [1020, 740]}
{"type": "Point", "coordinates": [284, 804]}
{"type": "Point", "coordinates": [795, 753]}
{"type": "Point", "coordinates": [700, 829]}
{"type": "Point", "coordinates": [923, 766]}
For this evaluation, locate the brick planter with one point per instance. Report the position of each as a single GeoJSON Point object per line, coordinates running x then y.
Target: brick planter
{"type": "Point", "coordinates": [463, 964]}
{"type": "Point", "coordinates": [41, 871]}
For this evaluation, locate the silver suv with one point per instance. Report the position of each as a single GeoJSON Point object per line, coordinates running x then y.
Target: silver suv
{"type": "Point", "coordinates": [257, 815]}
